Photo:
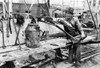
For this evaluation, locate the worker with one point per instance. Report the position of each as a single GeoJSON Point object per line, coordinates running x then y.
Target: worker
{"type": "Point", "coordinates": [73, 27]}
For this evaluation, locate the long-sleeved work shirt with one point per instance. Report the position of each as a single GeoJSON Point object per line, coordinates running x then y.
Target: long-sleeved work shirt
{"type": "Point", "coordinates": [73, 26]}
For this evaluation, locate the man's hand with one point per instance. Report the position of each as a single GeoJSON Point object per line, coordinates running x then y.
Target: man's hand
{"type": "Point", "coordinates": [83, 35]}
{"type": "Point", "coordinates": [60, 21]}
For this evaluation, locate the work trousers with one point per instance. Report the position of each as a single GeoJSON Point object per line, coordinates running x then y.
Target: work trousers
{"type": "Point", "coordinates": [74, 53]}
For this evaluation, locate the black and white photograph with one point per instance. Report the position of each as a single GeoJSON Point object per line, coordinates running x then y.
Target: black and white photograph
{"type": "Point", "coordinates": [49, 33]}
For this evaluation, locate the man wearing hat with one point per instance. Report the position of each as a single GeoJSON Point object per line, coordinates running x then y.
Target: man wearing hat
{"type": "Point", "coordinates": [73, 27]}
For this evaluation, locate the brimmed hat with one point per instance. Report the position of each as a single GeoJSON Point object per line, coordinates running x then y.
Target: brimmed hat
{"type": "Point", "coordinates": [69, 10]}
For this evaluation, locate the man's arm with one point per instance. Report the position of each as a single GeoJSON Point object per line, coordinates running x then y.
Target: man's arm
{"type": "Point", "coordinates": [79, 25]}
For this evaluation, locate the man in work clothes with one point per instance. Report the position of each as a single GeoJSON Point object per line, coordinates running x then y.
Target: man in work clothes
{"type": "Point", "coordinates": [73, 27]}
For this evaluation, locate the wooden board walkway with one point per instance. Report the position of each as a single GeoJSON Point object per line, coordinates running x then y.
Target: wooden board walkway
{"type": "Point", "coordinates": [13, 52]}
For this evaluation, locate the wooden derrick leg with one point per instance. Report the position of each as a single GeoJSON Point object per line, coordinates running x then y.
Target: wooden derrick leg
{"type": "Point", "coordinates": [17, 37]}
{"type": "Point", "coordinates": [15, 30]}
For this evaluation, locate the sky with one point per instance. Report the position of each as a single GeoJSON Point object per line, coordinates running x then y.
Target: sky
{"type": "Point", "coordinates": [75, 3]}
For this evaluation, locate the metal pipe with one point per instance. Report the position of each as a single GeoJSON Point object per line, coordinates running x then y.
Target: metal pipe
{"type": "Point", "coordinates": [67, 34]}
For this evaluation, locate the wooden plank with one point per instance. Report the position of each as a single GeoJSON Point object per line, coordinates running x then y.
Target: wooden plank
{"type": "Point", "coordinates": [44, 45]}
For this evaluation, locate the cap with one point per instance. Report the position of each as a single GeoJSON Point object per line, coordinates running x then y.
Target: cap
{"type": "Point", "coordinates": [69, 10]}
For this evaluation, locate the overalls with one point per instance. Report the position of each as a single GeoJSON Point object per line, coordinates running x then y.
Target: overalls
{"type": "Point", "coordinates": [74, 49]}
